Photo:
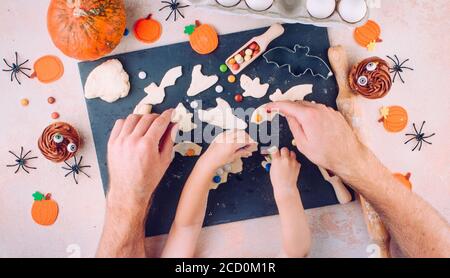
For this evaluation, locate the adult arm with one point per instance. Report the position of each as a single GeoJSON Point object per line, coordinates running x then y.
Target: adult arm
{"type": "Point", "coordinates": [140, 150]}
{"type": "Point", "coordinates": [324, 136]}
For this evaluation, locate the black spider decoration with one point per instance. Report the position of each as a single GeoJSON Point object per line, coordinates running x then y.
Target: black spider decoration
{"type": "Point", "coordinates": [76, 168]}
{"type": "Point", "coordinates": [174, 7]}
{"type": "Point", "coordinates": [419, 136]}
{"type": "Point", "coordinates": [21, 161]}
{"type": "Point", "coordinates": [398, 67]}
{"type": "Point", "coordinates": [16, 68]}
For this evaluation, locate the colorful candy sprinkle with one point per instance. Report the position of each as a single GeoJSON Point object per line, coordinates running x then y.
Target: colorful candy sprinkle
{"type": "Point", "coordinates": [293, 143]}
{"type": "Point", "coordinates": [51, 100]}
{"type": "Point", "coordinates": [223, 68]}
{"type": "Point", "coordinates": [232, 61]}
{"type": "Point", "coordinates": [55, 115]}
{"type": "Point", "coordinates": [24, 102]}
{"type": "Point", "coordinates": [235, 67]}
{"type": "Point", "coordinates": [238, 98]}
{"type": "Point", "coordinates": [190, 152]}
{"type": "Point", "coordinates": [231, 78]}
{"type": "Point", "coordinates": [219, 89]}
{"type": "Point", "coordinates": [217, 179]}
{"type": "Point", "coordinates": [194, 104]}
{"type": "Point", "coordinates": [142, 75]}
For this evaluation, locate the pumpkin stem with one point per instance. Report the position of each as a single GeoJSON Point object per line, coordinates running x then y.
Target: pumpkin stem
{"type": "Point", "coordinates": [149, 16]}
{"type": "Point", "coordinates": [197, 23]}
{"type": "Point", "coordinates": [379, 40]}
{"type": "Point", "coordinates": [408, 176]}
{"type": "Point", "coordinates": [48, 196]}
{"type": "Point", "coordinates": [381, 120]}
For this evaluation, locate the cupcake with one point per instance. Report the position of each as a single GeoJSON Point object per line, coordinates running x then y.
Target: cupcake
{"type": "Point", "coordinates": [59, 142]}
{"type": "Point", "coordinates": [371, 78]}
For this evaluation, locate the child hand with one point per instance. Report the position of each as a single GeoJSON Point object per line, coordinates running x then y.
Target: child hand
{"type": "Point", "coordinates": [227, 147]}
{"type": "Point", "coordinates": [284, 170]}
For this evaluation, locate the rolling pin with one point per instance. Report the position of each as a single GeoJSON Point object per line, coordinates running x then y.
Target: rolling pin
{"type": "Point", "coordinates": [346, 103]}
{"type": "Point", "coordinates": [342, 193]}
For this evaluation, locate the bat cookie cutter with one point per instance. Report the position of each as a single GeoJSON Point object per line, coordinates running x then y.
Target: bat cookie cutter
{"type": "Point", "coordinates": [282, 57]}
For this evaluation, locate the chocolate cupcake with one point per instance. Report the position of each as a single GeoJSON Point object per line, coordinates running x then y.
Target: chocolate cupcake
{"type": "Point", "coordinates": [371, 78]}
{"type": "Point", "coordinates": [59, 142]}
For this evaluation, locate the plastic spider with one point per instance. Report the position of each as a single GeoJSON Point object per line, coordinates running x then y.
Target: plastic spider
{"type": "Point", "coordinates": [174, 7]}
{"type": "Point", "coordinates": [419, 136]}
{"type": "Point", "coordinates": [76, 168]}
{"type": "Point", "coordinates": [21, 161]}
{"type": "Point", "coordinates": [398, 67]}
{"type": "Point", "coordinates": [16, 68]}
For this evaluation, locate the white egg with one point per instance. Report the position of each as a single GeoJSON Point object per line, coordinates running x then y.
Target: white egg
{"type": "Point", "coordinates": [352, 10]}
{"type": "Point", "coordinates": [228, 3]}
{"type": "Point", "coordinates": [321, 8]}
{"type": "Point", "coordinates": [259, 5]}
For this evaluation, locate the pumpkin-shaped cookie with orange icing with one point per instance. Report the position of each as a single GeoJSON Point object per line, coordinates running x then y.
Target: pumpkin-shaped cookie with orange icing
{"type": "Point", "coordinates": [394, 118]}
{"type": "Point", "coordinates": [44, 210]}
{"type": "Point", "coordinates": [202, 37]}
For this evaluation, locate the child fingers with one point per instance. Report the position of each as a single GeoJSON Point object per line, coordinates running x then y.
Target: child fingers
{"type": "Point", "coordinates": [284, 152]}
{"type": "Point", "coordinates": [293, 155]}
{"type": "Point", "coordinates": [275, 154]}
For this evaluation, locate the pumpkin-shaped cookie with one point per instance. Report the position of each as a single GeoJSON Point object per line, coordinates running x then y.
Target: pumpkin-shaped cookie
{"type": "Point", "coordinates": [394, 118]}
{"type": "Point", "coordinates": [147, 30]}
{"type": "Point", "coordinates": [44, 210]}
{"type": "Point", "coordinates": [202, 37]}
{"type": "Point", "coordinates": [368, 35]}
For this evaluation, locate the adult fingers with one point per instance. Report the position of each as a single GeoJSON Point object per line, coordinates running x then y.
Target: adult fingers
{"type": "Point", "coordinates": [297, 130]}
{"type": "Point", "coordinates": [144, 124]}
{"type": "Point", "coordinates": [130, 124]}
{"type": "Point", "coordinates": [116, 129]}
{"type": "Point", "coordinates": [159, 125]}
{"type": "Point", "coordinates": [166, 142]}
{"type": "Point", "coordinates": [296, 110]}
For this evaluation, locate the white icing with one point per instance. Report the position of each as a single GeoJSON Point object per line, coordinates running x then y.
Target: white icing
{"type": "Point", "coordinates": [183, 118]}
{"type": "Point", "coordinates": [253, 87]}
{"type": "Point", "coordinates": [200, 82]}
{"type": "Point", "coordinates": [222, 116]}
{"type": "Point", "coordinates": [108, 81]}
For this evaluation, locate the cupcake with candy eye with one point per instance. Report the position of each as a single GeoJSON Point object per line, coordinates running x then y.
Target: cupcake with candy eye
{"type": "Point", "coordinates": [59, 142]}
{"type": "Point", "coordinates": [371, 78]}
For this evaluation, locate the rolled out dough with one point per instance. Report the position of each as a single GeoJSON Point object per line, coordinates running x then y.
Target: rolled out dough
{"type": "Point", "coordinates": [222, 116]}
{"type": "Point", "coordinates": [187, 148]}
{"type": "Point", "coordinates": [183, 118]}
{"type": "Point", "coordinates": [155, 93]}
{"type": "Point", "coordinates": [253, 87]}
{"type": "Point", "coordinates": [200, 82]}
{"type": "Point", "coordinates": [295, 93]}
{"type": "Point", "coordinates": [232, 168]}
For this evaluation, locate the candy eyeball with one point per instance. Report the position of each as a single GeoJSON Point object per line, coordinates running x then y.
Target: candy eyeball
{"type": "Point", "coordinates": [58, 138]}
{"type": "Point", "coordinates": [372, 66]}
{"type": "Point", "coordinates": [71, 148]}
{"type": "Point", "coordinates": [362, 81]}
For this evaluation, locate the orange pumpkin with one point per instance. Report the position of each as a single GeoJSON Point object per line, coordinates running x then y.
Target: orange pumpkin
{"type": "Point", "coordinates": [86, 29]}
{"type": "Point", "coordinates": [394, 118]}
{"type": "Point", "coordinates": [44, 210]}
{"type": "Point", "coordinates": [147, 30]}
{"type": "Point", "coordinates": [368, 34]}
{"type": "Point", "coordinates": [202, 37]}
{"type": "Point", "coordinates": [404, 179]}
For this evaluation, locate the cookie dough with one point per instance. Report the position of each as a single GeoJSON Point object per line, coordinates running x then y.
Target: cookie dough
{"type": "Point", "coordinates": [235, 167]}
{"type": "Point", "coordinates": [222, 116]}
{"type": "Point", "coordinates": [155, 93]}
{"type": "Point", "coordinates": [293, 94]}
{"type": "Point", "coordinates": [183, 118]}
{"type": "Point", "coordinates": [108, 81]}
{"type": "Point", "coordinates": [187, 148]}
{"type": "Point", "coordinates": [253, 87]}
{"type": "Point", "coordinates": [200, 82]}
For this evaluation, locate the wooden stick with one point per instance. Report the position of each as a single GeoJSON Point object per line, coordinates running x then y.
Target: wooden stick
{"type": "Point", "coordinates": [346, 103]}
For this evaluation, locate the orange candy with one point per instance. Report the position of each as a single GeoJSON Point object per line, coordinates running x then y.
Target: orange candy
{"type": "Point", "coordinates": [48, 69]}
{"type": "Point", "coordinates": [147, 30]}
{"type": "Point", "coordinates": [51, 100]}
{"type": "Point", "coordinates": [231, 78]}
{"type": "Point", "coordinates": [24, 102]}
{"type": "Point", "coordinates": [190, 152]}
{"type": "Point", "coordinates": [404, 179]}
{"type": "Point", "coordinates": [55, 115]}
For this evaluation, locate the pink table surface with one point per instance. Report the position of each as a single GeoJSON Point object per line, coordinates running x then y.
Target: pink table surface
{"type": "Point", "coordinates": [410, 29]}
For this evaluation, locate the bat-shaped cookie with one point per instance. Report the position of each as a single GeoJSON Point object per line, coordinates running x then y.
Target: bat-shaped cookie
{"type": "Point", "coordinates": [298, 61]}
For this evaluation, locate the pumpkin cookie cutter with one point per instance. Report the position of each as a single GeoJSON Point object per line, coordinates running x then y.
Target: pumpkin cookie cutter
{"type": "Point", "coordinates": [323, 69]}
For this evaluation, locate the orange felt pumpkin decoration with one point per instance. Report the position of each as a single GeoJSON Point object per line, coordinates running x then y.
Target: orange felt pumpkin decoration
{"type": "Point", "coordinates": [202, 37]}
{"type": "Point", "coordinates": [368, 34]}
{"type": "Point", "coordinates": [404, 179]}
{"type": "Point", "coordinates": [44, 210]}
{"type": "Point", "coordinates": [394, 118]}
{"type": "Point", "coordinates": [86, 29]}
{"type": "Point", "coordinates": [147, 30]}
{"type": "Point", "coordinates": [48, 68]}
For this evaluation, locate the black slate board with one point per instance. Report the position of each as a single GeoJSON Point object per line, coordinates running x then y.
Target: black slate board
{"type": "Point", "coordinates": [247, 195]}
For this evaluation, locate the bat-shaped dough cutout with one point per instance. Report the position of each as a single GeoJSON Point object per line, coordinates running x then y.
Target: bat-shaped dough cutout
{"type": "Point", "coordinates": [200, 82]}
{"type": "Point", "coordinates": [222, 116]}
{"type": "Point", "coordinates": [155, 93]}
{"type": "Point", "coordinates": [298, 61]}
{"type": "Point", "coordinates": [295, 93]}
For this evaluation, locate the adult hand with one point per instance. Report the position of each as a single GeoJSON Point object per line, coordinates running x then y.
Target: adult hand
{"type": "Point", "coordinates": [140, 150]}
{"type": "Point", "coordinates": [323, 135]}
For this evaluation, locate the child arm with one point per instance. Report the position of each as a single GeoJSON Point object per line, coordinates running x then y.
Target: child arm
{"type": "Point", "coordinates": [296, 236]}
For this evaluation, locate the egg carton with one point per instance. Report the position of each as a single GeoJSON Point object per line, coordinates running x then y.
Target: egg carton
{"type": "Point", "coordinates": [288, 11]}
